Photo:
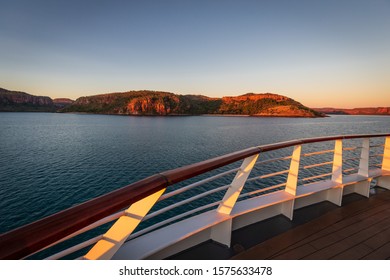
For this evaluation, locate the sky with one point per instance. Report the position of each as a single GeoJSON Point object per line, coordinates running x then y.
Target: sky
{"type": "Point", "coordinates": [320, 53]}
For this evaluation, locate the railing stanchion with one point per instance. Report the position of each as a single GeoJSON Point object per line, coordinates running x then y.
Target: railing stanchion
{"type": "Point", "coordinates": [335, 195]}
{"type": "Point", "coordinates": [113, 239]}
{"type": "Point", "coordinates": [292, 181]}
{"type": "Point", "coordinates": [384, 181]}
{"type": "Point", "coordinates": [337, 169]}
{"type": "Point", "coordinates": [363, 187]}
{"type": "Point", "coordinates": [236, 186]}
{"type": "Point", "coordinates": [364, 158]}
{"type": "Point", "coordinates": [292, 178]}
{"type": "Point", "coordinates": [222, 232]}
{"type": "Point", "coordinates": [386, 155]}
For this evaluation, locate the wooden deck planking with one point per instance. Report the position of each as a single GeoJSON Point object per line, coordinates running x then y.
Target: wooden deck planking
{"type": "Point", "coordinates": [362, 250]}
{"type": "Point", "coordinates": [352, 237]}
{"type": "Point", "coordinates": [341, 224]}
{"type": "Point", "coordinates": [358, 230]}
{"type": "Point", "coordinates": [338, 234]}
{"type": "Point", "coordinates": [381, 253]}
{"type": "Point", "coordinates": [356, 252]}
{"type": "Point", "coordinates": [379, 239]}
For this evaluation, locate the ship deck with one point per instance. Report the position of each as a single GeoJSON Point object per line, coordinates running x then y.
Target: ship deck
{"type": "Point", "coordinates": [360, 229]}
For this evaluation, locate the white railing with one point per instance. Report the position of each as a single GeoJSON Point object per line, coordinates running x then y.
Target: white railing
{"type": "Point", "coordinates": [178, 217]}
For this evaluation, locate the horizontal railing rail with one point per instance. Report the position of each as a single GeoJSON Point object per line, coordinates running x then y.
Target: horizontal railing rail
{"type": "Point", "coordinates": [31, 238]}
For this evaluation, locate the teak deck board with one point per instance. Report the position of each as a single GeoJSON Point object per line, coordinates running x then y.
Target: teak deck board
{"type": "Point", "coordinates": [367, 247]}
{"type": "Point", "coordinates": [359, 230]}
{"type": "Point", "coordinates": [381, 253]}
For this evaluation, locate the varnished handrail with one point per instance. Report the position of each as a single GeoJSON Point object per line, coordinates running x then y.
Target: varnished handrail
{"type": "Point", "coordinates": [30, 238]}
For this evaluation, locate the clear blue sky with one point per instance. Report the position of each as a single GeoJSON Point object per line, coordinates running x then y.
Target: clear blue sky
{"type": "Point", "coordinates": [321, 53]}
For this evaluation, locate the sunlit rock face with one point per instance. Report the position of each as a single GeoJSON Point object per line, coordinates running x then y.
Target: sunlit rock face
{"type": "Point", "coordinates": [166, 103]}
{"type": "Point", "coordinates": [265, 105]}
{"type": "Point", "coordinates": [153, 105]}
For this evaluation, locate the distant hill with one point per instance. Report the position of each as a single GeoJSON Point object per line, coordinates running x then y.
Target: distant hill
{"type": "Point", "coordinates": [356, 111]}
{"type": "Point", "coordinates": [166, 103]}
{"type": "Point", "coordinates": [16, 101]}
{"type": "Point", "coordinates": [144, 103]}
{"type": "Point", "coordinates": [265, 105]}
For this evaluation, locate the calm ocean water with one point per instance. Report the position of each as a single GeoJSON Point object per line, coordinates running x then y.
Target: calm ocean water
{"type": "Point", "coordinates": [49, 162]}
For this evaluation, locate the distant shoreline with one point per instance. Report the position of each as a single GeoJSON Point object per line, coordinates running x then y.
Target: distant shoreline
{"type": "Point", "coordinates": [171, 115]}
{"type": "Point", "coordinates": [200, 115]}
{"type": "Point", "coordinates": [158, 103]}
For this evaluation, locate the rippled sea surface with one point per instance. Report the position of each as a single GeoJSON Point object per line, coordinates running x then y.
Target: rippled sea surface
{"type": "Point", "coordinates": [49, 162]}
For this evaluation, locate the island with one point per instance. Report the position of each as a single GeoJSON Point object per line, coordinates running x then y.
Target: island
{"type": "Point", "coordinates": [159, 103]}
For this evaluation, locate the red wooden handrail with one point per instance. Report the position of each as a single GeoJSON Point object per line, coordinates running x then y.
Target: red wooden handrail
{"type": "Point", "coordinates": [30, 238]}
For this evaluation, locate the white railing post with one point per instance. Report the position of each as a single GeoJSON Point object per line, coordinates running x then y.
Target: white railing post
{"type": "Point", "coordinates": [113, 239]}
{"type": "Point", "coordinates": [384, 181]}
{"type": "Point", "coordinates": [287, 208]}
{"type": "Point", "coordinates": [292, 178]}
{"type": "Point", "coordinates": [237, 185]}
{"type": "Point", "coordinates": [337, 169]}
{"type": "Point", "coordinates": [364, 158]}
{"type": "Point", "coordinates": [363, 187]}
{"type": "Point", "coordinates": [222, 232]}
{"type": "Point", "coordinates": [386, 155]}
{"type": "Point", "coordinates": [335, 195]}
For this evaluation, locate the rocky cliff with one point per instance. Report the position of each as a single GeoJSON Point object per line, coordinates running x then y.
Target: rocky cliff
{"type": "Point", "coordinates": [16, 101]}
{"type": "Point", "coordinates": [166, 103]}
{"type": "Point", "coordinates": [127, 103]}
{"type": "Point", "coordinates": [266, 105]}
